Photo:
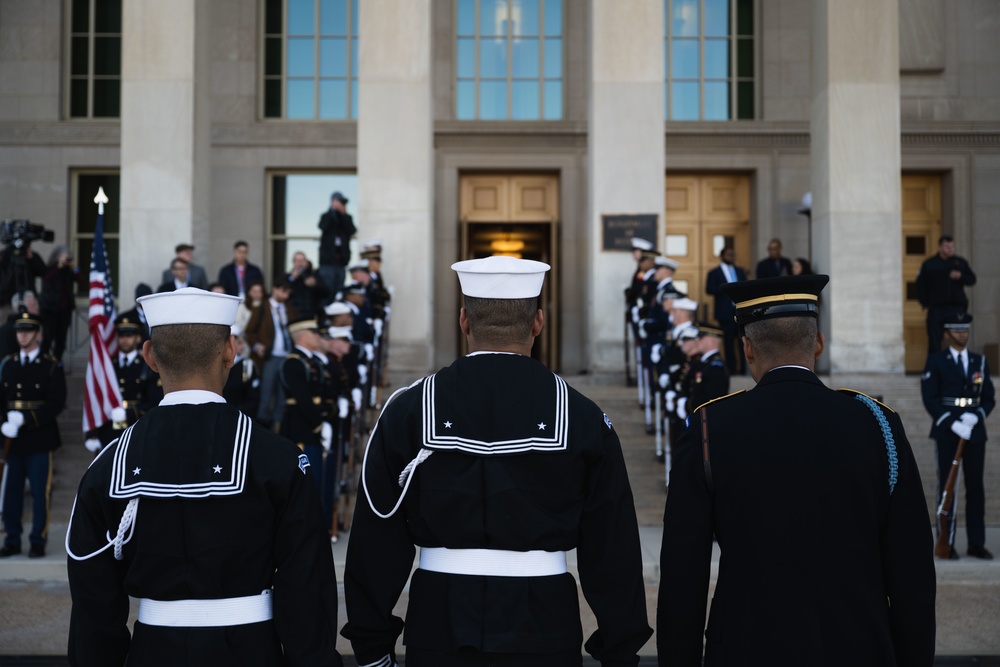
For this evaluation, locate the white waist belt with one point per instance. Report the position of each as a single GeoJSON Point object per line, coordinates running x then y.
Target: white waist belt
{"type": "Point", "coordinates": [493, 562]}
{"type": "Point", "coordinates": [206, 613]}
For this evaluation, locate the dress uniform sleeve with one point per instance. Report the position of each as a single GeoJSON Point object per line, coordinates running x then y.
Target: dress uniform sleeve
{"type": "Point", "coordinates": [305, 583]}
{"type": "Point", "coordinates": [987, 398]}
{"type": "Point", "coordinates": [685, 557]}
{"type": "Point", "coordinates": [379, 555]}
{"type": "Point", "coordinates": [930, 388]}
{"type": "Point", "coordinates": [610, 559]}
{"type": "Point", "coordinates": [98, 632]}
{"type": "Point", "coordinates": [907, 560]}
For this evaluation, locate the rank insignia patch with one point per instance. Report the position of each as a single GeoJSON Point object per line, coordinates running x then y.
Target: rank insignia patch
{"type": "Point", "coordinates": [303, 463]}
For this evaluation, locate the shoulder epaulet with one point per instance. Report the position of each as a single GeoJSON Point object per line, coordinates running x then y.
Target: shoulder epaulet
{"type": "Point", "coordinates": [720, 398]}
{"type": "Point", "coordinates": [855, 392]}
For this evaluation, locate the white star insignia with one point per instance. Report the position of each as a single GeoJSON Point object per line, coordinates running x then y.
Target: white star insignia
{"type": "Point", "coordinates": [217, 469]}
{"type": "Point", "coordinates": [447, 424]}
{"type": "Point", "coordinates": [541, 426]}
{"type": "Point", "coordinates": [136, 471]}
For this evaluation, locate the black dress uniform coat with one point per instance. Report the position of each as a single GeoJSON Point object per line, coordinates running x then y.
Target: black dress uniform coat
{"type": "Point", "coordinates": [243, 386]}
{"type": "Point", "coordinates": [140, 389]}
{"type": "Point", "coordinates": [707, 379]}
{"type": "Point", "coordinates": [225, 509]}
{"type": "Point", "coordinates": [945, 379]}
{"type": "Point", "coordinates": [520, 462]}
{"type": "Point", "coordinates": [38, 390]}
{"type": "Point", "coordinates": [826, 555]}
{"type": "Point", "coordinates": [305, 411]}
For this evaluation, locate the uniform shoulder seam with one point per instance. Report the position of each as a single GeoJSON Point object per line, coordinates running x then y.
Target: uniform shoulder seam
{"type": "Point", "coordinates": [720, 398]}
{"type": "Point", "coordinates": [855, 392]}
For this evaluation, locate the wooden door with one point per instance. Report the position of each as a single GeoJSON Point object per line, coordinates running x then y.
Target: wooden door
{"type": "Point", "coordinates": [705, 213]}
{"type": "Point", "coordinates": [516, 214]}
{"type": "Point", "coordinates": [921, 211]}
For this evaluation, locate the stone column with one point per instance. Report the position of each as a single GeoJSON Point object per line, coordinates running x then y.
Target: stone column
{"type": "Point", "coordinates": [625, 153]}
{"type": "Point", "coordinates": [855, 151]}
{"type": "Point", "coordinates": [165, 137]}
{"type": "Point", "coordinates": [395, 164]}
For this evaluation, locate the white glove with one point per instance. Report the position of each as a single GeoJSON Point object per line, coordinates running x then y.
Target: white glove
{"type": "Point", "coordinates": [356, 397]}
{"type": "Point", "coordinates": [671, 395]}
{"type": "Point", "coordinates": [369, 351]}
{"type": "Point", "coordinates": [635, 314]}
{"type": "Point", "coordinates": [642, 329]}
{"type": "Point", "coordinates": [9, 430]}
{"type": "Point", "coordinates": [93, 445]}
{"type": "Point", "coordinates": [655, 353]}
{"type": "Point", "coordinates": [664, 381]}
{"type": "Point", "coordinates": [378, 328]}
{"type": "Point", "coordinates": [342, 407]}
{"type": "Point", "coordinates": [362, 374]}
{"type": "Point", "coordinates": [969, 418]}
{"type": "Point", "coordinates": [388, 311]}
{"type": "Point", "coordinates": [682, 407]}
{"type": "Point", "coordinates": [118, 415]}
{"type": "Point", "coordinates": [326, 436]}
{"type": "Point", "coordinates": [958, 427]}
{"type": "Point", "coordinates": [16, 418]}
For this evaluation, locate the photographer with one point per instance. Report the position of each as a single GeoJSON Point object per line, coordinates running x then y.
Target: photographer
{"type": "Point", "coordinates": [19, 266]}
{"type": "Point", "coordinates": [58, 300]}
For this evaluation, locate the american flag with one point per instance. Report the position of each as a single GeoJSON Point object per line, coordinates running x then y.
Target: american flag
{"type": "Point", "coordinates": [100, 392]}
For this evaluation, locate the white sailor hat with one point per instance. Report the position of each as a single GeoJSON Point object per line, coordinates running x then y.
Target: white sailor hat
{"type": "Point", "coordinates": [685, 304]}
{"type": "Point", "coordinates": [236, 330]}
{"type": "Point", "coordinates": [360, 265]}
{"type": "Point", "coordinates": [688, 333]}
{"type": "Point", "coordinates": [337, 308]}
{"type": "Point", "coordinates": [665, 262]}
{"type": "Point", "coordinates": [189, 305]}
{"type": "Point", "coordinates": [340, 332]}
{"type": "Point", "coordinates": [641, 243]}
{"type": "Point", "coordinates": [501, 277]}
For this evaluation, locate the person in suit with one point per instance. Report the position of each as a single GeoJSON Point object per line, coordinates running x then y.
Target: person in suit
{"type": "Point", "coordinates": [34, 393]}
{"type": "Point", "coordinates": [774, 264]}
{"type": "Point", "coordinates": [196, 274]}
{"type": "Point", "coordinates": [816, 503]}
{"type": "Point", "coordinates": [179, 279]}
{"type": "Point", "coordinates": [239, 274]}
{"type": "Point", "coordinates": [267, 335]}
{"type": "Point", "coordinates": [958, 394]}
{"type": "Point", "coordinates": [727, 272]}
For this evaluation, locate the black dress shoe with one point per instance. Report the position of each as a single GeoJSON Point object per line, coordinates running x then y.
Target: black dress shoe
{"type": "Point", "coordinates": [36, 551]}
{"type": "Point", "coordinates": [980, 552]}
{"type": "Point", "coordinates": [9, 551]}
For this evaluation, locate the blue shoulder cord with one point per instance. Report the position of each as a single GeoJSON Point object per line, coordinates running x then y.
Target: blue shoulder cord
{"type": "Point", "coordinates": [890, 442]}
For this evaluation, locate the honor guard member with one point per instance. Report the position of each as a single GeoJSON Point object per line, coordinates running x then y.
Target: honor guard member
{"type": "Point", "coordinates": [372, 252]}
{"type": "Point", "coordinates": [343, 368]}
{"type": "Point", "coordinates": [306, 420]}
{"type": "Point", "coordinates": [816, 503]}
{"type": "Point", "coordinates": [495, 468]}
{"type": "Point", "coordinates": [140, 387]}
{"type": "Point", "coordinates": [958, 393]}
{"type": "Point", "coordinates": [707, 377]}
{"type": "Point", "coordinates": [34, 393]}
{"type": "Point", "coordinates": [243, 384]}
{"type": "Point", "coordinates": [210, 521]}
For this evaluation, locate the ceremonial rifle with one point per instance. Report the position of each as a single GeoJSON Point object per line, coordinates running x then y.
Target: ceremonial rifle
{"type": "Point", "coordinates": [946, 510]}
{"type": "Point", "coordinates": [3, 470]}
{"type": "Point", "coordinates": [338, 453]}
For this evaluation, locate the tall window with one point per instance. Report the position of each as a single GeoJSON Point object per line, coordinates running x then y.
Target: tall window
{"type": "Point", "coordinates": [297, 202]}
{"type": "Point", "coordinates": [709, 58]}
{"type": "Point", "coordinates": [311, 59]}
{"type": "Point", "coordinates": [509, 60]}
{"type": "Point", "coordinates": [85, 188]}
{"type": "Point", "coordinates": [95, 58]}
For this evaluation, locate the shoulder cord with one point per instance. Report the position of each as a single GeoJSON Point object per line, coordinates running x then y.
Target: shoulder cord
{"type": "Point", "coordinates": [127, 524]}
{"type": "Point", "coordinates": [890, 441]}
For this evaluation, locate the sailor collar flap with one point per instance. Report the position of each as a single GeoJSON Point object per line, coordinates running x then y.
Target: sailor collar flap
{"type": "Point", "coordinates": [220, 471]}
{"type": "Point", "coordinates": [531, 417]}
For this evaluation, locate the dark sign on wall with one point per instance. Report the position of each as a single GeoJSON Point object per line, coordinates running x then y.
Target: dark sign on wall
{"type": "Point", "coordinates": [619, 228]}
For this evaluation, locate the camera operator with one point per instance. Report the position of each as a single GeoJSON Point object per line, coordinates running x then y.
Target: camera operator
{"type": "Point", "coordinates": [58, 300]}
{"type": "Point", "coordinates": [19, 267]}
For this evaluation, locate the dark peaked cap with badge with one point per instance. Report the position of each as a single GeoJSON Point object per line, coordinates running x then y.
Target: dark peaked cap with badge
{"type": "Point", "coordinates": [786, 296]}
{"type": "Point", "coordinates": [27, 322]}
{"type": "Point", "coordinates": [958, 322]}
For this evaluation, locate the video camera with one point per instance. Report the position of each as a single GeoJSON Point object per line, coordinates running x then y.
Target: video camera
{"type": "Point", "coordinates": [20, 233]}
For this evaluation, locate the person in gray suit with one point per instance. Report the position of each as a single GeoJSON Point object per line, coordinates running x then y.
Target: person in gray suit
{"type": "Point", "coordinates": [196, 274]}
